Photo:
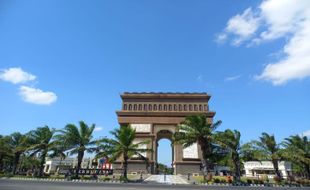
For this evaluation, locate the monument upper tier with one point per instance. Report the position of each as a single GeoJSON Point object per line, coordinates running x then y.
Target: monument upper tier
{"type": "Point", "coordinates": [177, 104]}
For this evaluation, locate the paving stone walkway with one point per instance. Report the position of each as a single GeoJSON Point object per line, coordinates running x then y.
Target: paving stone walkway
{"type": "Point", "coordinates": [169, 179]}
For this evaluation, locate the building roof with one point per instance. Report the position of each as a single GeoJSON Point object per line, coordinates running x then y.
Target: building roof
{"type": "Point", "coordinates": [170, 95]}
{"type": "Point", "coordinates": [201, 93]}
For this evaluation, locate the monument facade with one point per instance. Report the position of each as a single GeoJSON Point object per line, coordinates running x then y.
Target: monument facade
{"type": "Point", "coordinates": [155, 116]}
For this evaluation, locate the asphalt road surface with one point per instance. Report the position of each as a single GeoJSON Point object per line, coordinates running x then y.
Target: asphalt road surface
{"type": "Point", "coordinates": [42, 185]}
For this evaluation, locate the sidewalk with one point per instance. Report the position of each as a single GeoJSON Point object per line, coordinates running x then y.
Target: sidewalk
{"type": "Point", "coordinates": [169, 179]}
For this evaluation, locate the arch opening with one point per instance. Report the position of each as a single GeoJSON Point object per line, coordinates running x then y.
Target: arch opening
{"type": "Point", "coordinates": [165, 153]}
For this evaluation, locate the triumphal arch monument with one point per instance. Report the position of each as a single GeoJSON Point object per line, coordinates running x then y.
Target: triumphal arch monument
{"type": "Point", "coordinates": [155, 116]}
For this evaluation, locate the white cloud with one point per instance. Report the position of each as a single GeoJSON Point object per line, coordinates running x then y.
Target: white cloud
{"type": "Point", "coordinates": [221, 38]}
{"type": "Point", "coordinates": [282, 17]}
{"type": "Point", "coordinates": [37, 96]}
{"type": "Point", "coordinates": [98, 129]}
{"type": "Point", "coordinates": [306, 133]}
{"type": "Point", "coordinates": [242, 26]}
{"type": "Point", "coordinates": [16, 75]}
{"type": "Point", "coordinates": [231, 78]}
{"type": "Point", "coordinates": [289, 19]}
{"type": "Point", "coordinates": [199, 78]}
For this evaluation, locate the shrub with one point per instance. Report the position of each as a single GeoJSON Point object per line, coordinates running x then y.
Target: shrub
{"type": "Point", "coordinates": [286, 182]}
{"type": "Point", "coordinates": [291, 178]}
{"type": "Point", "coordinates": [209, 177]}
{"type": "Point", "coordinates": [216, 180]}
{"type": "Point", "coordinates": [258, 181]}
{"type": "Point", "coordinates": [9, 175]}
{"type": "Point", "coordinates": [57, 177]}
{"type": "Point", "coordinates": [249, 181]}
{"type": "Point", "coordinates": [265, 178]}
{"type": "Point", "coordinates": [86, 177]}
{"type": "Point", "coordinates": [229, 179]}
{"type": "Point", "coordinates": [123, 179]}
{"type": "Point", "coordinates": [74, 177]}
{"type": "Point", "coordinates": [277, 179]}
{"type": "Point", "coordinates": [303, 182]}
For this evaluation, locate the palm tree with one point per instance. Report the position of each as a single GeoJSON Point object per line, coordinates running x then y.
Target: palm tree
{"type": "Point", "coordinates": [59, 150]}
{"type": "Point", "coordinates": [249, 153]}
{"type": "Point", "coordinates": [41, 141]}
{"type": "Point", "coordinates": [18, 144]}
{"type": "Point", "coordinates": [231, 140]}
{"type": "Point", "coordinates": [269, 150]}
{"type": "Point", "coordinates": [5, 150]}
{"type": "Point", "coordinates": [298, 151]}
{"type": "Point", "coordinates": [194, 129]}
{"type": "Point", "coordinates": [78, 140]}
{"type": "Point", "coordinates": [122, 145]}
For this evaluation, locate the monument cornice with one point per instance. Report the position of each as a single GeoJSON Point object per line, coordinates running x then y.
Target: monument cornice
{"type": "Point", "coordinates": [168, 95]}
{"type": "Point", "coordinates": [165, 114]}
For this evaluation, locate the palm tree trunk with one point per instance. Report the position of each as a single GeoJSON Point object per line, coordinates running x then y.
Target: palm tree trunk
{"type": "Point", "coordinates": [276, 168]}
{"type": "Point", "coordinates": [42, 162]}
{"type": "Point", "coordinates": [80, 159]}
{"type": "Point", "coordinates": [125, 167]}
{"type": "Point", "coordinates": [205, 160]}
{"type": "Point", "coordinates": [1, 163]}
{"type": "Point", "coordinates": [205, 164]}
{"type": "Point", "coordinates": [58, 167]}
{"type": "Point", "coordinates": [307, 168]}
{"type": "Point", "coordinates": [236, 162]}
{"type": "Point", "coordinates": [15, 163]}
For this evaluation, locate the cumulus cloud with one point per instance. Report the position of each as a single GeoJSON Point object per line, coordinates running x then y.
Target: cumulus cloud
{"type": "Point", "coordinates": [242, 26]}
{"type": "Point", "coordinates": [98, 129]}
{"type": "Point", "coordinates": [289, 19]}
{"type": "Point", "coordinates": [16, 75]}
{"type": "Point", "coordinates": [37, 96]}
{"type": "Point", "coordinates": [306, 133]}
{"type": "Point", "coordinates": [232, 78]}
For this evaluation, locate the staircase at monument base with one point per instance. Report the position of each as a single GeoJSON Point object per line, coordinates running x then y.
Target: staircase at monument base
{"type": "Point", "coordinates": [168, 179]}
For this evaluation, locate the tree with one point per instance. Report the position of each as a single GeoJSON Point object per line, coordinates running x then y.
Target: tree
{"type": "Point", "coordinates": [298, 151]}
{"type": "Point", "coordinates": [269, 150]}
{"type": "Point", "coordinates": [122, 146]}
{"type": "Point", "coordinates": [5, 150]}
{"type": "Point", "coordinates": [248, 152]}
{"type": "Point", "coordinates": [41, 141]}
{"type": "Point", "coordinates": [78, 140]}
{"type": "Point", "coordinates": [18, 144]}
{"type": "Point", "coordinates": [196, 129]}
{"type": "Point", "coordinates": [29, 162]}
{"type": "Point", "coordinates": [59, 150]}
{"type": "Point", "coordinates": [231, 140]}
{"type": "Point", "coordinates": [162, 168]}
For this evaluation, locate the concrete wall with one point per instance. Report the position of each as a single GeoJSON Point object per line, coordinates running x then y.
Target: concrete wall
{"type": "Point", "coordinates": [185, 169]}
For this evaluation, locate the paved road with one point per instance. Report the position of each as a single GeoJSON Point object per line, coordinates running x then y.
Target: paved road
{"type": "Point", "coordinates": [41, 185]}
{"type": "Point", "coordinates": [168, 179]}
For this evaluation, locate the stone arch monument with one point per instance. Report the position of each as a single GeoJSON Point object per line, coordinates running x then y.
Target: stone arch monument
{"type": "Point", "coordinates": [155, 116]}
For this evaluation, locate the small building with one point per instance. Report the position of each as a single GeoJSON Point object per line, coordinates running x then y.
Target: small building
{"type": "Point", "coordinates": [265, 168]}
{"type": "Point", "coordinates": [52, 164]}
{"type": "Point", "coordinates": [221, 170]}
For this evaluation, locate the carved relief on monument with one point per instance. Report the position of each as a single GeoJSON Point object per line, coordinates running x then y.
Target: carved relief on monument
{"type": "Point", "coordinates": [191, 151]}
{"type": "Point", "coordinates": [141, 128]}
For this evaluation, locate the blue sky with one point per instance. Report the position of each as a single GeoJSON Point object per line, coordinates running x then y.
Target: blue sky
{"type": "Point", "coordinates": [74, 58]}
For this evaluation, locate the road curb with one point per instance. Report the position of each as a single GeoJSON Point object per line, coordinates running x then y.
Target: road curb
{"type": "Point", "coordinates": [63, 180]}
